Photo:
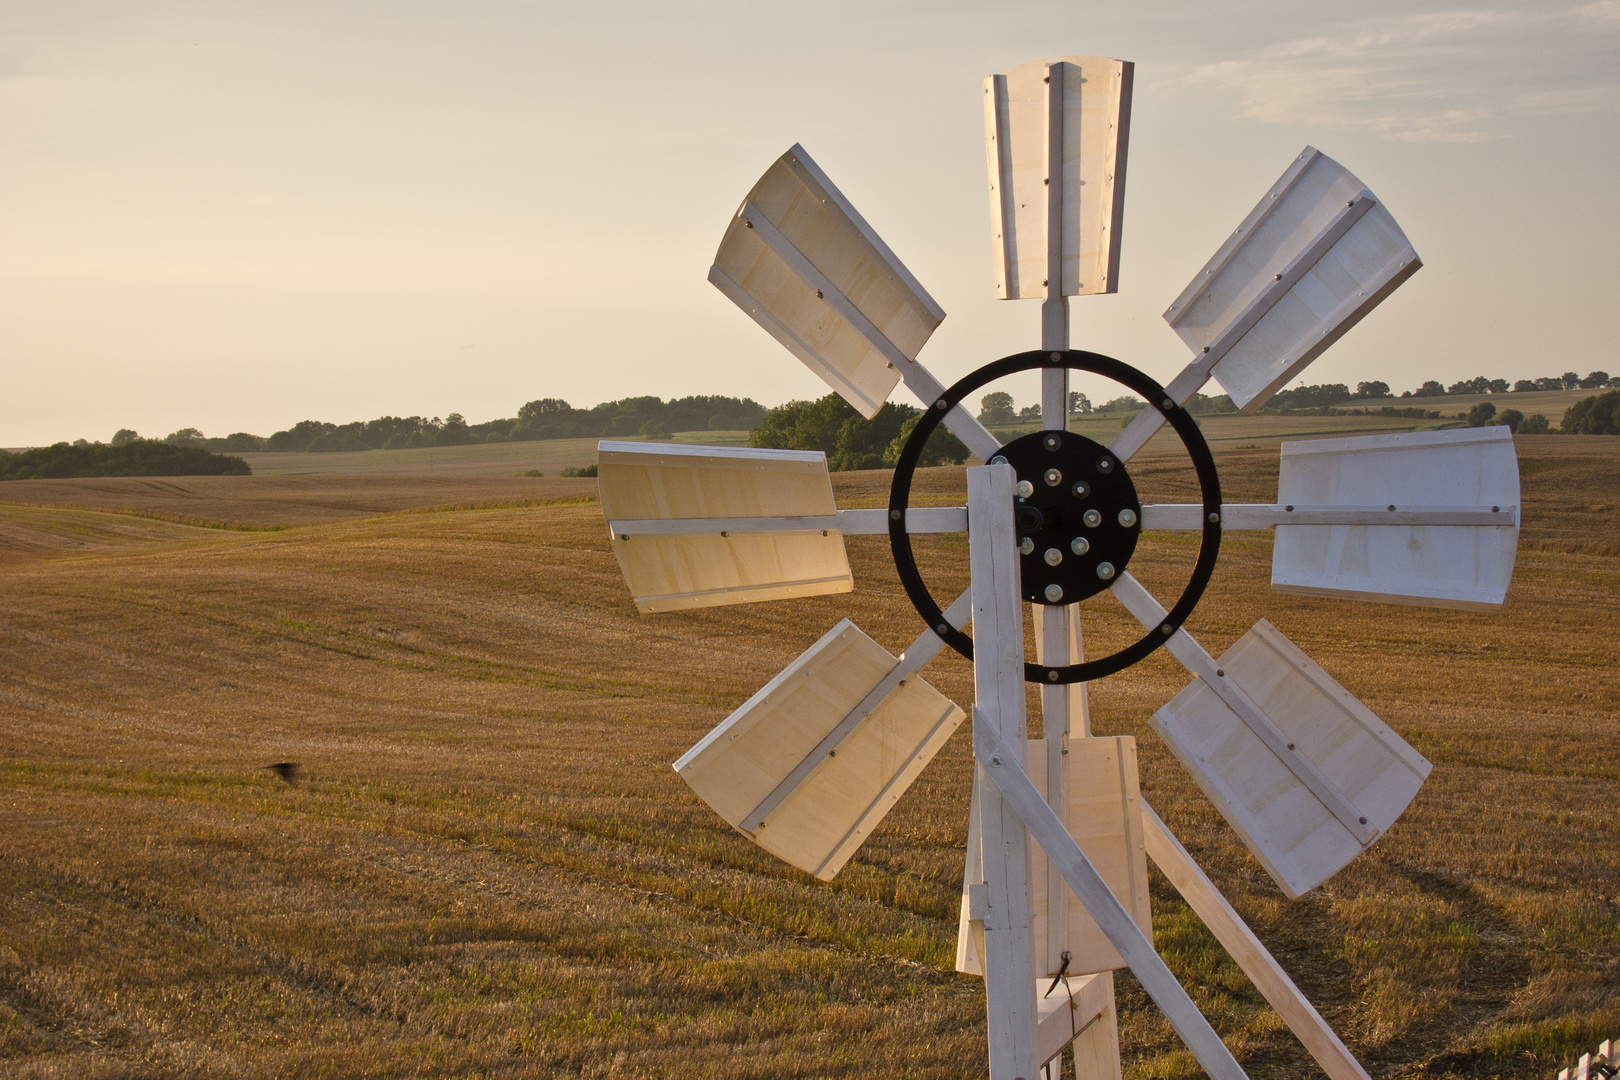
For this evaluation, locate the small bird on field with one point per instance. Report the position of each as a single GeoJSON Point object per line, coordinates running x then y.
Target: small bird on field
{"type": "Point", "coordinates": [287, 770]}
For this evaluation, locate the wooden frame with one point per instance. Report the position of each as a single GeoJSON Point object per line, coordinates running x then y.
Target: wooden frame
{"type": "Point", "coordinates": [1415, 561]}
{"type": "Point", "coordinates": [1067, 118]}
{"type": "Point", "coordinates": [810, 764]}
{"type": "Point", "coordinates": [669, 482]}
{"type": "Point", "coordinates": [1263, 789]}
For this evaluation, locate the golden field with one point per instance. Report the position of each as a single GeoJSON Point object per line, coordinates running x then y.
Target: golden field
{"type": "Point", "coordinates": [488, 868]}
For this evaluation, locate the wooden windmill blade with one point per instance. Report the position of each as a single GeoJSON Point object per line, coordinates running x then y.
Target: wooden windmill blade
{"type": "Point", "coordinates": [809, 269]}
{"type": "Point", "coordinates": [810, 764]}
{"type": "Point", "coordinates": [1405, 479]}
{"type": "Point", "coordinates": [1083, 104]}
{"type": "Point", "coordinates": [666, 482]}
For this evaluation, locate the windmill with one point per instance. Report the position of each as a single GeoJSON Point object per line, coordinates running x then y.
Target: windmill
{"type": "Point", "coordinates": [1054, 892]}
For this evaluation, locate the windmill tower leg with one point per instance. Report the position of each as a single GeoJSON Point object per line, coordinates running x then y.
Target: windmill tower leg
{"type": "Point", "coordinates": [998, 678]}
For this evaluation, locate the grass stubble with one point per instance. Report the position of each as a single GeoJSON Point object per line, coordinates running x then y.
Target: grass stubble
{"type": "Point", "coordinates": [489, 869]}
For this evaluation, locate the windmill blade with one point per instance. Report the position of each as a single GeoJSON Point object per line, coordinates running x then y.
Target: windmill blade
{"type": "Point", "coordinates": [663, 482]}
{"type": "Point", "coordinates": [804, 264]}
{"type": "Point", "coordinates": [919, 519]}
{"type": "Point", "coordinates": [1070, 117]}
{"type": "Point", "coordinates": [1308, 263]}
{"type": "Point", "coordinates": [809, 765]}
{"type": "Point", "coordinates": [1094, 790]}
{"type": "Point", "coordinates": [1304, 772]}
{"type": "Point", "coordinates": [1380, 557]}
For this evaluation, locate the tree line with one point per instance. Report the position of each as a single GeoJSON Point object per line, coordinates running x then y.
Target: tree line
{"type": "Point", "coordinates": [132, 457]}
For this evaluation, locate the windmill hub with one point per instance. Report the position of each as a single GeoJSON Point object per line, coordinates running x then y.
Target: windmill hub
{"type": "Point", "coordinates": [1077, 514]}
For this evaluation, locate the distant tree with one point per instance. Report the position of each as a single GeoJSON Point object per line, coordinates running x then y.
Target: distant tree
{"type": "Point", "coordinates": [1310, 397]}
{"type": "Point", "coordinates": [1123, 403]}
{"type": "Point", "coordinates": [1030, 414]}
{"type": "Point", "coordinates": [1571, 380]}
{"type": "Point", "coordinates": [239, 442]}
{"type": "Point", "coordinates": [136, 457]}
{"type": "Point", "coordinates": [832, 425]}
{"type": "Point", "coordinates": [1479, 384]}
{"type": "Point", "coordinates": [1524, 386]}
{"type": "Point", "coordinates": [1510, 419]}
{"type": "Point", "coordinates": [454, 431]}
{"type": "Point", "coordinates": [942, 447]}
{"type": "Point", "coordinates": [1374, 389]}
{"type": "Point", "coordinates": [997, 408]}
{"type": "Point", "coordinates": [543, 407]}
{"type": "Point", "coordinates": [1615, 381]}
{"type": "Point", "coordinates": [1534, 424]}
{"type": "Point", "coordinates": [1596, 415]}
{"type": "Point", "coordinates": [1595, 381]}
{"type": "Point", "coordinates": [1482, 414]}
{"type": "Point", "coordinates": [186, 436]}
{"type": "Point", "coordinates": [1079, 404]}
{"type": "Point", "coordinates": [1497, 386]}
{"type": "Point", "coordinates": [1548, 382]}
{"type": "Point", "coordinates": [1430, 389]}
{"type": "Point", "coordinates": [1202, 405]}
{"type": "Point", "coordinates": [652, 429]}
{"type": "Point", "coordinates": [124, 435]}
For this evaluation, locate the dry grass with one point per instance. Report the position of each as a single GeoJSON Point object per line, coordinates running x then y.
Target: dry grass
{"type": "Point", "coordinates": [488, 868]}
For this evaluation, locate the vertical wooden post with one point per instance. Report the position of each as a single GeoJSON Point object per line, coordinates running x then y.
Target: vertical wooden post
{"type": "Point", "coordinates": [998, 685]}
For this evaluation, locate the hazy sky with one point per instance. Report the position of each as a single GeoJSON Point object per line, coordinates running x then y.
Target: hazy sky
{"type": "Point", "coordinates": [238, 215]}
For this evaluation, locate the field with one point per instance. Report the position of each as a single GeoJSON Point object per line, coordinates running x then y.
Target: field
{"type": "Point", "coordinates": [486, 866]}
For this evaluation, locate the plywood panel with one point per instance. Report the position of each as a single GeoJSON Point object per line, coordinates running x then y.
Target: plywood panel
{"type": "Point", "coordinates": [805, 212]}
{"type": "Point", "coordinates": [1460, 566]}
{"type": "Point", "coordinates": [1096, 135]}
{"type": "Point", "coordinates": [1295, 837]}
{"type": "Point", "coordinates": [1321, 298]}
{"type": "Point", "coordinates": [667, 481]}
{"type": "Point", "coordinates": [824, 819]}
{"type": "Point", "coordinates": [1102, 808]}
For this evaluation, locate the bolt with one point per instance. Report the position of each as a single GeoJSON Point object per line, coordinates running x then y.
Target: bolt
{"type": "Point", "coordinates": [624, 536]}
{"type": "Point", "coordinates": [1025, 489]}
{"type": "Point", "coordinates": [1127, 518]}
{"type": "Point", "coordinates": [1052, 442]}
{"type": "Point", "coordinates": [1496, 509]}
{"type": "Point", "coordinates": [1220, 674]}
{"type": "Point", "coordinates": [942, 628]}
{"type": "Point", "coordinates": [747, 223]}
{"type": "Point", "coordinates": [819, 296]}
{"type": "Point", "coordinates": [995, 761]}
{"type": "Point", "coordinates": [1092, 518]}
{"type": "Point", "coordinates": [1289, 508]}
{"type": "Point", "coordinates": [1276, 277]}
{"type": "Point", "coordinates": [724, 533]}
{"type": "Point", "coordinates": [998, 460]}
{"type": "Point", "coordinates": [1392, 506]}
{"type": "Point", "coordinates": [1053, 556]}
{"type": "Point", "coordinates": [1051, 675]}
{"type": "Point", "coordinates": [1167, 629]}
{"type": "Point", "coordinates": [1105, 570]}
{"type": "Point", "coordinates": [1056, 357]}
{"type": "Point", "coordinates": [1081, 489]}
{"type": "Point", "coordinates": [940, 404]}
{"type": "Point", "coordinates": [1079, 545]}
{"type": "Point", "coordinates": [1206, 348]}
{"type": "Point", "coordinates": [1214, 518]}
{"type": "Point", "coordinates": [1053, 478]}
{"type": "Point", "coordinates": [1290, 746]}
{"type": "Point", "coordinates": [1363, 821]}
{"type": "Point", "coordinates": [1026, 545]}
{"type": "Point", "coordinates": [894, 515]}
{"type": "Point", "coordinates": [1054, 592]}
{"type": "Point", "coordinates": [1105, 465]}
{"type": "Point", "coordinates": [1168, 405]}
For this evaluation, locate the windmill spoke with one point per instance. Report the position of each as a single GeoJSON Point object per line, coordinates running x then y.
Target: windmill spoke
{"type": "Point", "coordinates": [923, 519]}
{"type": "Point", "coordinates": [1190, 516]}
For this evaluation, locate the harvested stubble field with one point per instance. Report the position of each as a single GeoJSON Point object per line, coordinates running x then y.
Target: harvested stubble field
{"type": "Point", "coordinates": [488, 868]}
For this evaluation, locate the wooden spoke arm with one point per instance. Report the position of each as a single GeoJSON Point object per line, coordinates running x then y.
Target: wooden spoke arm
{"type": "Point", "coordinates": [1190, 516]}
{"type": "Point", "coordinates": [936, 519]}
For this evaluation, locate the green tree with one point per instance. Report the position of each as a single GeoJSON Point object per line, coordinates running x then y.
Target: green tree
{"type": "Point", "coordinates": [1596, 415]}
{"type": "Point", "coordinates": [942, 447]}
{"type": "Point", "coordinates": [1482, 414]}
{"type": "Point", "coordinates": [186, 436]}
{"type": "Point", "coordinates": [1430, 389]}
{"type": "Point", "coordinates": [124, 435]}
{"type": "Point", "coordinates": [996, 407]}
{"type": "Point", "coordinates": [1595, 381]}
{"type": "Point", "coordinates": [1079, 404]}
{"type": "Point", "coordinates": [1534, 424]}
{"type": "Point", "coordinates": [832, 426]}
{"type": "Point", "coordinates": [1510, 419]}
{"type": "Point", "coordinates": [1372, 389]}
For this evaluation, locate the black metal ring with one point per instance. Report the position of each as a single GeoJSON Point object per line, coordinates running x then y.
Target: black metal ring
{"type": "Point", "coordinates": [1192, 438]}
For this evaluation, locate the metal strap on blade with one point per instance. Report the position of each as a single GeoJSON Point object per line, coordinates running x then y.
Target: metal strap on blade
{"type": "Point", "coordinates": [1054, 309]}
{"type": "Point", "coordinates": [1002, 766]}
{"type": "Point", "coordinates": [922, 519]}
{"type": "Point", "coordinates": [1150, 613]}
{"type": "Point", "coordinates": [917, 379]}
{"type": "Point", "coordinates": [1196, 374]}
{"type": "Point", "coordinates": [924, 649]}
{"type": "Point", "coordinates": [1266, 515]}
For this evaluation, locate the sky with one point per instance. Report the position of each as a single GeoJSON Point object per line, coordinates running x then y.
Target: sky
{"type": "Point", "coordinates": [235, 216]}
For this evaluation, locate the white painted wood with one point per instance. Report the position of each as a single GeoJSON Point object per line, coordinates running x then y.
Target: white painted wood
{"type": "Point", "coordinates": [1001, 768]}
{"type": "Point", "coordinates": [1332, 799]}
{"type": "Point", "coordinates": [1190, 516]}
{"type": "Point", "coordinates": [1330, 286]}
{"type": "Point", "coordinates": [1265, 795]}
{"type": "Point", "coordinates": [1071, 1010]}
{"type": "Point", "coordinates": [812, 225]}
{"type": "Point", "coordinates": [665, 481]}
{"type": "Point", "coordinates": [1413, 562]}
{"type": "Point", "coordinates": [927, 519]}
{"type": "Point", "coordinates": [1240, 943]}
{"type": "Point", "coordinates": [998, 683]}
{"type": "Point", "coordinates": [818, 824]}
{"type": "Point", "coordinates": [1090, 182]}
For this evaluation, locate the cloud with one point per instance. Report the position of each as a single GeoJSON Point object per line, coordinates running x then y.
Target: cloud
{"type": "Point", "coordinates": [1450, 76]}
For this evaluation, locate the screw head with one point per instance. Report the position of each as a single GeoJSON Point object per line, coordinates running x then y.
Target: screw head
{"type": "Point", "coordinates": [1053, 478]}
{"type": "Point", "coordinates": [1054, 592]}
{"type": "Point", "coordinates": [1056, 357]}
{"type": "Point", "coordinates": [1053, 556]}
{"type": "Point", "coordinates": [1026, 545]}
{"type": "Point", "coordinates": [1363, 821]}
{"type": "Point", "coordinates": [942, 628]}
{"type": "Point", "coordinates": [1051, 675]}
{"type": "Point", "coordinates": [1025, 489]}
{"type": "Point", "coordinates": [998, 460]}
{"type": "Point", "coordinates": [1079, 545]}
{"type": "Point", "coordinates": [1127, 518]}
{"type": "Point", "coordinates": [894, 515]}
{"type": "Point", "coordinates": [1052, 442]}
{"type": "Point", "coordinates": [940, 404]}
{"type": "Point", "coordinates": [1105, 465]}
{"type": "Point", "coordinates": [1105, 570]}
{"type": "Point", "coordinates": [1167, 404]}
{"type": "Point", "coordinates": [1092, 518]}
{"type": "Point", "coordinates": [1167, 629]}
{"type": "Point", "coordinates": [1081, 489]}
{"type": "Point", "coordinates": [1214, 519]}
